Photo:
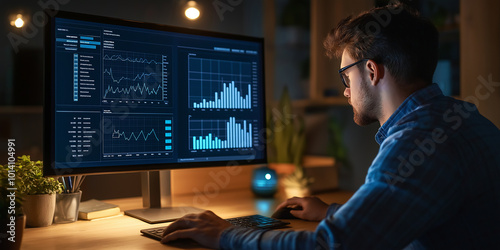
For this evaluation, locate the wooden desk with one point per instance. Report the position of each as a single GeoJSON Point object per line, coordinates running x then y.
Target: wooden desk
{"type": "Point", "coordinates": [123, 232]}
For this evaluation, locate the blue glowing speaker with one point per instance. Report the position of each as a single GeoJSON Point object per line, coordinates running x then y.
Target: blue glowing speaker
{"type": "Point", "coordinates": [264, 182]}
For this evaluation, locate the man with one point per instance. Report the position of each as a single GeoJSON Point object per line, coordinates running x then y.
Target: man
{"type": "Point", "coordinates": [435, 183]}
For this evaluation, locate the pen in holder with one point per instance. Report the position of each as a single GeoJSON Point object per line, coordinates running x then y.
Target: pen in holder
{"type": "Point", "coordinates": [68, 202]}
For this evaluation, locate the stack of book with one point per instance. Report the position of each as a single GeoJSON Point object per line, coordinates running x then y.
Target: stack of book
{"type": "Point", "coordinates": [95, 209]}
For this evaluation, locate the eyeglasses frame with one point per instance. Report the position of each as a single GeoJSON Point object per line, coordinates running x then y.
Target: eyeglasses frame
{"type": "Point", "coordinates": [341, 71]}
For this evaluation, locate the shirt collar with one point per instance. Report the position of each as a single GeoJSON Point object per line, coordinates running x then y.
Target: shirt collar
{"type": "Point", "coordinates": [412, 102]}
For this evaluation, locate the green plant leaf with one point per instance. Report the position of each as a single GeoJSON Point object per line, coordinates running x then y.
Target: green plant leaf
{"type": "Point", "coordinates": [32, 180]}
{"type": "Point", "coordinates": [287, 140]}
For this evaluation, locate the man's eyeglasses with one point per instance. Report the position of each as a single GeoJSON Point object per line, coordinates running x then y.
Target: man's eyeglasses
{"type": "Point", "coordinates": [345, 79]}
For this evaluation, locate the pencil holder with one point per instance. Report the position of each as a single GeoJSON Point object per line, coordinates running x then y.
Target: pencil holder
{"type": "Point", "coordinates": [67, 205]}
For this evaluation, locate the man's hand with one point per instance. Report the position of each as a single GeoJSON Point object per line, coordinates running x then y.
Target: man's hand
{"type": "Point", "coordinates": [308, 208]}
{"type": "Point", "coordinates": [205, 228]}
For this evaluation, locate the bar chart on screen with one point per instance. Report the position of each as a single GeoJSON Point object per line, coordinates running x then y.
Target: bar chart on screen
{"type": "Point", "coordinates": [221, 134]}
{"type": "Point", "coordinates": [221, 84]}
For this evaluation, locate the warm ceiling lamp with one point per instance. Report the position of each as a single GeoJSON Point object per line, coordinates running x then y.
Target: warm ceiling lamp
{"type": "Point", "coordinates": [192, 11]}
{"type": "Point", "coordinates": [18, 22]}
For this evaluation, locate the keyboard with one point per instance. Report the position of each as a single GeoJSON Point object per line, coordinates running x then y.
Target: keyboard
{"type": "Point", "coordinates": [250, 221]}
{"type": "Point", "coordinates": [257, 221]}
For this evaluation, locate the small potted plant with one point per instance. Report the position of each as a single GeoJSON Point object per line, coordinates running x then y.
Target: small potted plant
{"type": "Point", "coordinates": [40, 192]}
{"type": "Point", "coordinates": [12, 218]}
{"type": "Point", "coordinates": [286, 143]}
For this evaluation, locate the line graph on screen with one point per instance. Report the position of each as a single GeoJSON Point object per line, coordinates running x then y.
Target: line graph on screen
{"type": "Point", "coordinates": [134, 76]}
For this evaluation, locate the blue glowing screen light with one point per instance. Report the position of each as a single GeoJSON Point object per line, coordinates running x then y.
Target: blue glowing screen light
{"type": "Point", "coordinates": [264, 182]}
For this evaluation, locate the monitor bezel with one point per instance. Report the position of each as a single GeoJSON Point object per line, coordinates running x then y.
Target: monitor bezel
{"type": "Point", "coordinates": [49, 92]}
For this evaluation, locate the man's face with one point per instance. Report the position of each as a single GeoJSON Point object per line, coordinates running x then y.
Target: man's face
{"type": "Point", "coordinates": [364, 102]}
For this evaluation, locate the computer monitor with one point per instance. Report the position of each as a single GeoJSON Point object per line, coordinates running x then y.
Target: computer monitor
{"type": "Point", "coordinates": [132, 96]}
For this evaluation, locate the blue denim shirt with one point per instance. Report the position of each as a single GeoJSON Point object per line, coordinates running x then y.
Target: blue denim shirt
{"type": "Point", "coordinates": [435, 184]}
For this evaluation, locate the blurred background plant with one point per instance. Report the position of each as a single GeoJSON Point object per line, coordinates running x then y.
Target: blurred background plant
{"type": "Point", "coordinates": [286, 143]}
{"type": "Point", "coordinates": [287, 138]}
{"type": "Point", "coordinates": [336, 147]}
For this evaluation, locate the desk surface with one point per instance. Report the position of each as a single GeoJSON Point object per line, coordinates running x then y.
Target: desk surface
{"type": "Point", "coordinates": [123, 232]}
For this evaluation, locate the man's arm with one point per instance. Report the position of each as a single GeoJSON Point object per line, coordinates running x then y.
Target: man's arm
{"type": "Point", "coordinates": [309, 208]}
{"type": "Point", "coordinates": [397, 203]}
{"type": "Point", "coordinates": [205, 228]}
{"type": "Point", "coordinates": [400, 199]}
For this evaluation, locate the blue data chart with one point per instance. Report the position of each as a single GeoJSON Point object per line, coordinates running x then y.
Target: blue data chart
{"type": "Point", "coordinates": [221, 84]}
{"type": "Point", "coordinates": [135, 76]}
{"type": "Point", "coordinates": [221, 134]}
{"type": "Point", "coordinates": [138, 134]}
{"type": "Point", "coordinates": [230, 98]}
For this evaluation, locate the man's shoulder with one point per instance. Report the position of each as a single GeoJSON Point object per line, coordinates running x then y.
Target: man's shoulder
{"type": "Point", "coordinates": [444, 112]}
{"type": "Point", "coordinates": [448, 116]}
{"type": "Point", "coordinates": [449, 129]}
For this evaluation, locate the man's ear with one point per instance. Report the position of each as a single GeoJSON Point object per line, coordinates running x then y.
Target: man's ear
{"type": "Point", "coordinates": [375, 71]}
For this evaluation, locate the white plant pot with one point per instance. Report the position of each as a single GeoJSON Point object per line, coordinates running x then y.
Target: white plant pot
{"type": "Point", "coordinates": [39, 209]}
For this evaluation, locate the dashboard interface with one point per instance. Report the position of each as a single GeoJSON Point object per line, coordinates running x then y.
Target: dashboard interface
{"type": "Point", "coordinates": [126, 93]}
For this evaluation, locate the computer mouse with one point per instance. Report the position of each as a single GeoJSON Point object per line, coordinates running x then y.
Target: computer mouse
{"type": "Point", "coordinates": [284, 213]}
{"type": "Point", "coordinates": [184, 243]}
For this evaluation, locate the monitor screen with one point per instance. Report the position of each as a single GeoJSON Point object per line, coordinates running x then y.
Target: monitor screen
{"type": "Point", "coordinates": [128, 96]}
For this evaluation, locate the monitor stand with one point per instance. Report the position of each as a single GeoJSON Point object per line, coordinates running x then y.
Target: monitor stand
{"type": "Point", "coordinates": [157, 199]}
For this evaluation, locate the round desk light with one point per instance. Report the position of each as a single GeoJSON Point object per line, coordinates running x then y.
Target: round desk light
{"type": "Point", "coordinates": [264, 182]}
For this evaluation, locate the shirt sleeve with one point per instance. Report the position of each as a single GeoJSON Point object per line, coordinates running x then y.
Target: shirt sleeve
{"type": "Point", "coordinates": [403, 196]}
{"type": "Point", "coordinates": [414, 184]}
{"type": "Point", "coordinates": [333, 208]}
{"type": "Point", "coordinates": [253, 239]}
{"type": "Point", "coordinates": [241, 238]}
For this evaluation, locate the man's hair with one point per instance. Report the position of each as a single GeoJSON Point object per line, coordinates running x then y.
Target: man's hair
{"type": "Point", "coordinates": [393, 36]}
